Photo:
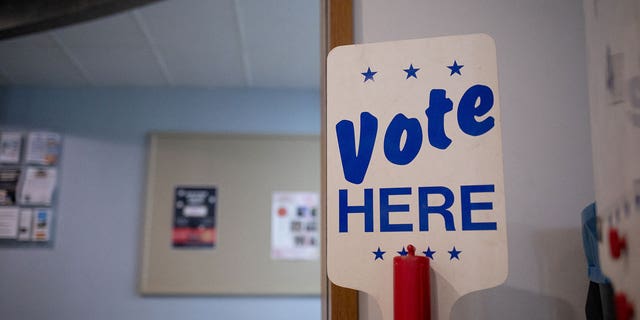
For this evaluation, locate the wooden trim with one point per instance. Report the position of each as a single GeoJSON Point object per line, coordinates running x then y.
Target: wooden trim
{"type": "Point", "coordinates": [338, 303]}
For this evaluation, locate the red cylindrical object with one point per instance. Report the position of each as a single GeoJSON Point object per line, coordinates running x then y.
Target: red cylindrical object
{"type": "Point", "coordinates": [411, 290]}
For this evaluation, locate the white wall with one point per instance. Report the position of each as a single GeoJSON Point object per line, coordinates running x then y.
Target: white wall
{"type": "Point", "coordinates": [92, 271]}
{"type": "Point", "coordinates": [547, 152]}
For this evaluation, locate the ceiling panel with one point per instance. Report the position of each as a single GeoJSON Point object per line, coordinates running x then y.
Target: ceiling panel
{"type": "Point", "coordinates": [38, 60]}
{"type": "Point", "coordinates": [204, 43]}
{"type": "Point", "coordinates": [283, 41]}
{"type": "Point", "coordinates": [198, 40]}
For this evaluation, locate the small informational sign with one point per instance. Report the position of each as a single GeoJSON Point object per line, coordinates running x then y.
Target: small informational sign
{"type": "Point", "coordinates": [295, 226]}
{"type": "Point", "coordinates": [194, 218]}
{"type": "Point", "coordinates": [9, 178]}
{"type": "Point", "coordinates": [38, 185]}
{"type": "Point", "coordinates": [9, 222]}
{"type": "Point", "coordinates": [43, 148]}
{"type": "Point", "coordinates": [10, 146]}
{"type": "Point", "coordinates": [41, 227]}
{"type": "Point", "coordinates": [24, 224]}
{"type": "Point", "coordinates": [414, 156]}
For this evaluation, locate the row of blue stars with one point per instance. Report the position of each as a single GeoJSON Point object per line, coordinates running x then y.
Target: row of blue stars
{"type": "Point", "coordinates": [412, 71]}
{"type": "Point", "coordinates": [453, 253]}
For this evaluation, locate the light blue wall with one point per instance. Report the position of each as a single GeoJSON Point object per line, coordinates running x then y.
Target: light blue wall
{"type": "Point", "coordinates": [92, 271]}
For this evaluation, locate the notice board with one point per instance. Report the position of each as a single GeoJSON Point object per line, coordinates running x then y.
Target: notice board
{"type": "Point", "coordinates": [241, 172]}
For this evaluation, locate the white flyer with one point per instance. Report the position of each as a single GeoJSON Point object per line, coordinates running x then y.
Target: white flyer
{"type": "Point", "coordinates": [38, 186]}
{"type": "Point", "coordinates": [43, 148]}
{"type": "Point", "coordinates": [295, 226]}
{"type": "Point", "coordinates": [24, 224]}
{"type": "Point", "coordinates": [41, 224]}
{"type": "Point", "coordinates": [8, 222]}
{"type": "Point", "coordinates": [10, 146]}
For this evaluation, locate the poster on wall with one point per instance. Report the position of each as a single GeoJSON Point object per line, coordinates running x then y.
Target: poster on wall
{"type": "Point", "coordinates": [194, 217]}
{"type": "Point", "coordinates": [43, 148]}
{"type": "Point", "coordinates": [294, 226]}
{"type": "Point", "coordinates": [41, 226]}
{"type": "Point", "coordinates": [38, 185]}
{"type": "Point", "coordinates": [10, 143]}
{"type": "Point", "coordinates": [9, 222]}
{"type": "Point", "coordinates": [8, 185]}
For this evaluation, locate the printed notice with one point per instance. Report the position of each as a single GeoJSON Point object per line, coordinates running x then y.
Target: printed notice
{"type": "Point", "coordinates": [10, 143]}
{"type": "Point", "coordinates": [41, 224]}
{"type": "Point", "coordinates": [8, 222]}
{"type": "Point", "coordinates": [9, 178]}
{"type": "Point", "coordinates": [294, 226]}
{"type": "Point", "coordinates": [43, 148]}
{"type": "Point", "coordinates": [24, 224]}
{"type": "Point", "coordinates": [194, 224]}
{"type": "Point", "coordinates": [38, 186]}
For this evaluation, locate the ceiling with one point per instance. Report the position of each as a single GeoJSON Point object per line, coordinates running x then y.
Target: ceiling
{"type": "Point", "coordinates": [185, 43]}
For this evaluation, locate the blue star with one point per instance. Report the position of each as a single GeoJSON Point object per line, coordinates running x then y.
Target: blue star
{"type": "Point", "coordinates": [403, 252]}
{"type": "Point", "coordinates": [378, 254]}
{"type": "Point", "coordinates": [455, 68]}
{"type": "Point", "coordinates": [454, 253]}
{"type": "Point", "coordinates": [429, 253]}
{"type": "Point", "coordinates": [368, 75]}
{"type": "Point", "coordinates": [411, 72]}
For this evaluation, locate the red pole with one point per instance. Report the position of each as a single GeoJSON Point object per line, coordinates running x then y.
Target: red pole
{"type": "Point", "coordinates": [411, 290]}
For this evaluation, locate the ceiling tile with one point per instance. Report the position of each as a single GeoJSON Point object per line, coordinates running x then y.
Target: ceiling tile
{"type": "Point", "coordinates": [203, 68]}
{"type": "Point", "coordinates": [120, 31]}
{"type": "Point", "coordinates": [283, 42]}
{"type": "Point", "coordinates": [118, 66]}
{"type": "Point", "coordinates": [39, 66]}
{"type": "Point", "coordinates": [198, 41]}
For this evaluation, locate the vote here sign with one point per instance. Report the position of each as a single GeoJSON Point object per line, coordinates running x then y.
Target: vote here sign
{"type": "Point", "coordinates": [414, 156]}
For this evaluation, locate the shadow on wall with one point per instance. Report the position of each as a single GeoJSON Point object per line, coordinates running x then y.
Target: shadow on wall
{"type": "Point", "coordinates": [505, 302]}
{"type": "Point", "coordinates": [561, 274]}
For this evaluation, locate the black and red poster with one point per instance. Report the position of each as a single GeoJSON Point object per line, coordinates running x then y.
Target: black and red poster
{"type": "Point", "coordinates": [194, 218]}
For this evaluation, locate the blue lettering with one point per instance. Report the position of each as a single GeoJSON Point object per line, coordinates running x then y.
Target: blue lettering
{"type": "Point", "coordinates": [385, 208]}
{"type": "Point", "coordinates": [413, 142]}
{"type": "Point", "coordinates": [425, 209]}
{"type": "Point", "coordinates": [355, 165]}
{"type": "Point", "coordinates": [345, 209]}
{"type": "Point", "coordinates": [467, 110]}
{"type": "Point", "coordinates": [439, 104]}
{"type": "Point", "coordinates": [467, 206]}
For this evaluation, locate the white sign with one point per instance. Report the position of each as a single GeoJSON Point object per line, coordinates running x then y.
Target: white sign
{"type": "Point", "coordinates": [414, 156]}
{"type": "Point", "coordinates": [295, 226]}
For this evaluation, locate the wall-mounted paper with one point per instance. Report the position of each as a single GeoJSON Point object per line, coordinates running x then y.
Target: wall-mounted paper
{"type": "Point", "coordinates": [10, 145]}
{"type": "Point", "coordinates": [38, 185]}
{"type": "Point", "coordinates": [294, 226]}
{"type": "Point", "coordinates": [24, 224]}
{"type": "Point", "coordinates": [9, 222]}
{"type": "Point", "coordinates": [194, 218]}
{"type": "Point", "coordinates": [41, 224]}
{"type": "Point", "coordinates": [43, 148]}
{"type": "Point", "coordinates": [9, 178]}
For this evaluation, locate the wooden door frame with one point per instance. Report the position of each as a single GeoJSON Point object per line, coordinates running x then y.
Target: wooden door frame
{"type": "Point", "coordinates": [336, 18]}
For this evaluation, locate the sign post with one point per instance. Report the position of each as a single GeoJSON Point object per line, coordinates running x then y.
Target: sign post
{"type": "Point", "coordinates": [414, 156]}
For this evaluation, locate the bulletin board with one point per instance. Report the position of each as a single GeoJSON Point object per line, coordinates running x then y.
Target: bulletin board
{"type": "Point", "coordinates": [245, 171]}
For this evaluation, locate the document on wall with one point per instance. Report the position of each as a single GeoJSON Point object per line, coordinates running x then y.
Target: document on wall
{"type": "Point", "coordinates": [41, 226]}
{"type": "Point", "coordinates": [10, 145]}
{"type": "Point", "coordinates": [194, 217]}
{"type": "Point", "coordinates": [24, 224]}
{"type": "Point", "coordinates": [38, 186]}
{"type": "Point", "coordinates": [43, 148]}
{"type": "Point", "coordinates": [9, 222]}
{"type": "Point", "coordinates": [294, 226]}
{"type": "Point", "coordinates": [9, 178]}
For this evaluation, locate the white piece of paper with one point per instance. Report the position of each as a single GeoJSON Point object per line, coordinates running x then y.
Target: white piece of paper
{"type": "Point", "coordinates": [8, 222]}
{"type": "Point", "coordinates": [43, 148]}
{"type": "Point", "coordinates": [10, 146]}
{"type": "Point", "coordinates": [38, 185]}
{"type": "Point", "coordinates": [24, 224]}
{"type": "Point", "coordinates": [294, 226]}
{"type": "Point", "coordinates": [41, 224]}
